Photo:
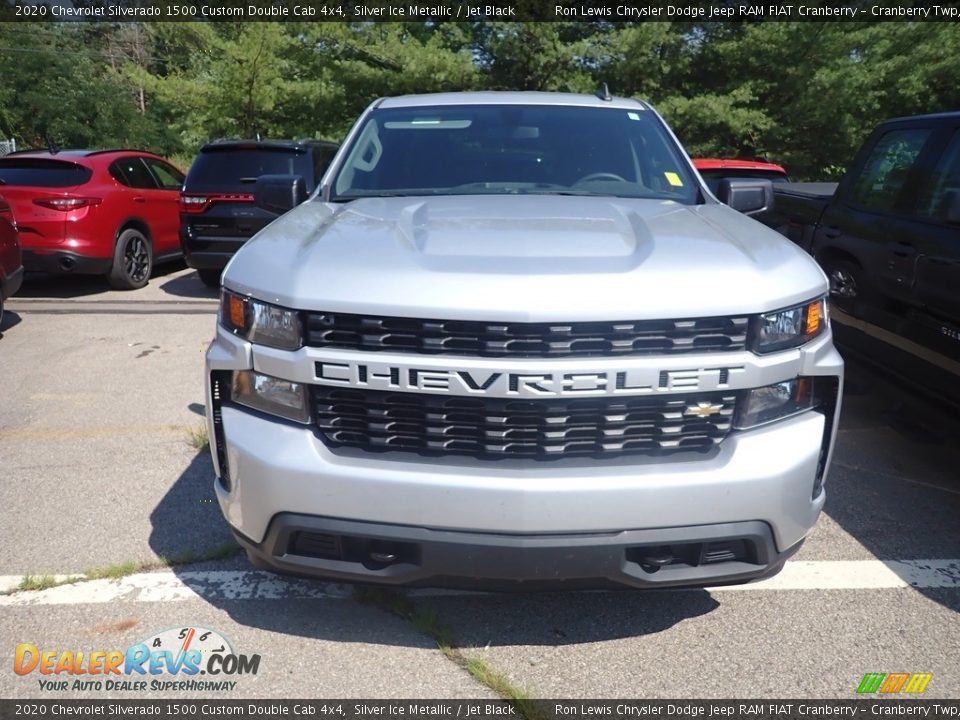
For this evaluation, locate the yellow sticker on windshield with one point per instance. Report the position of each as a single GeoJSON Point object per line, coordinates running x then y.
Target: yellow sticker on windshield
{"type": "Point", "coordinates": [673, 179]}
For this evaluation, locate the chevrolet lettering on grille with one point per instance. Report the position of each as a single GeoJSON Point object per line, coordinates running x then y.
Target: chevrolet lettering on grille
{"type": "Point", "coordinates": [452, 381]}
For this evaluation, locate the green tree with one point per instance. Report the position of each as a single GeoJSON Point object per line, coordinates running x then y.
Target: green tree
{"type": "Point", "coordinates": [557, 56]}
{"type": "Point", "coordinates": [60, 90]}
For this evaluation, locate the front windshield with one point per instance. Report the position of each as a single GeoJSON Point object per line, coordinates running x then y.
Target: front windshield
{"type": "Point", "coordinates": [514, 149]}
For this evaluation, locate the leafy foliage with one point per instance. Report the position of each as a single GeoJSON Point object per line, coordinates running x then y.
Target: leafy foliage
{"type": "Point", "coordinates": [802, 93]}
{"type": "Point", "coordinates": [58, 90]}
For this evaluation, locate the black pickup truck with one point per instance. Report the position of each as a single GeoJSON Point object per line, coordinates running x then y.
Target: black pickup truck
{"type": "Point", "coordinates": [888, 238]}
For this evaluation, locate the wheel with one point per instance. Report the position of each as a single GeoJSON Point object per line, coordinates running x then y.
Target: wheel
{"type": "Point", "coordinates": [132, 261]}
{"type": "Point", "coordinates": [210, 278]}
{"type": "Point", "coordinates": [600, 176]}
{"type": "Point", "coordinates": [846, 282]}
{"type": "Point", "coordinates": [1, 310]}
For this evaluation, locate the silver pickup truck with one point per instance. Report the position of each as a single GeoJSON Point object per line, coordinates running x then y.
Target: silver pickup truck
{"type": "Point", "coordinates": [514, 341]}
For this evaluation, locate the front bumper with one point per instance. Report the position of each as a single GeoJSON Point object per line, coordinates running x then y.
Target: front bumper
{"type": "Point", "coordinates": [577, 522]}
{"type": "Point", "coordinates": [571, 520]}
{"type": "Point", "coordinates": [401, 555]}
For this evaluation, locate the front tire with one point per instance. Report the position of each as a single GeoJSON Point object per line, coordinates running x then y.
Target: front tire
{"type": "Point", "coordinates": [132, 261]}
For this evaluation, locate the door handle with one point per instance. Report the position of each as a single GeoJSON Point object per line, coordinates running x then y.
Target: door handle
{"type": "Point", "coordinates": [832, 232]}
{"type": "Point", "coordinates": [139, 198]}
{"type": "Point", "coordinates": [903, 249]}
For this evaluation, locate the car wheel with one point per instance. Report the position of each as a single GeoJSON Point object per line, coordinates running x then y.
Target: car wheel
{"type": "Point", "coordinates": [132, 261]}
{"type": "Point", "coordinates": [210, 278]}
{"type": "Point", "coordinates": [1, 310]}
{"type": "Point", "coordinates": [846, 282]}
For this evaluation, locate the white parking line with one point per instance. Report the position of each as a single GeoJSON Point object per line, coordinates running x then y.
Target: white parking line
{"type": "Point", "coordinates": [168, 586]}
{"type": "Point", "coordinates": [858, 575]}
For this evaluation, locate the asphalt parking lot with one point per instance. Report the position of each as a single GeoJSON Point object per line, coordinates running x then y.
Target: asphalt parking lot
{"type": "Point", "coordinates": [102, 400]}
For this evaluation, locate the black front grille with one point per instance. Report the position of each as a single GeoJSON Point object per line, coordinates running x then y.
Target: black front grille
{"type": "Point", "coordinates": [493, 339]}
{"type": "Point", "coordinates": [541, 429]}
{"type": "Point", "coordinates": [311, 544]}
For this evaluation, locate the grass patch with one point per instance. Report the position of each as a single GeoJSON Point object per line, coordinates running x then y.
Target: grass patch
{"type": "Point", "coordinates": [120, 570]}
{"type": "Point", "coordinates": [189, 557]}
{"type": "Point", "coordinates": [483, 672]}
{"type": "Point", "coordinates": [430, 624]}
{"type": "Point", "coordinates": [37, 582]}
{"type": "Point", "coordinates": [113, 572]}
{"type": "Point", "coordinates": [199, 439]}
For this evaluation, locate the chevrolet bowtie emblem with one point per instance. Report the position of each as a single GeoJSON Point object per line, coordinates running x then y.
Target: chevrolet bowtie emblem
{"type": "Point", "coordinates": [703, 409]}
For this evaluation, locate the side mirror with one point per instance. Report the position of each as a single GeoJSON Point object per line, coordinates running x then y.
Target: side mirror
{"type": "Point", "coordinates": [747, 196]}
{"type": "Point", "coordinates": [279, 193]}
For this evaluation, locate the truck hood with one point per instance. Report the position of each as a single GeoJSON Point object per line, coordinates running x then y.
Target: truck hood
{"type": "Point", "coordinates": [523, 259]}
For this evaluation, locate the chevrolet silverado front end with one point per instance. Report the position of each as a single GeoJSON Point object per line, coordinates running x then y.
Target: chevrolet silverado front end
{"type": "Point", "coordinates": [514, 341]}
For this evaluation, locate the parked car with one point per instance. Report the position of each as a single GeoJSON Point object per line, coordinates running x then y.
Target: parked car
{"type": "Point", "coordinates": [512, 340]}
{"type": "Point", "coordinates": [11, 268]}
{"type": "Point", "coordinates": [102, 212]}
{"type": "Point", "coordinates": [218, 213]}
{"type": "Point", "coordinates": [888, 237]}
{"type": "Point", "coordinates": [714, 171]}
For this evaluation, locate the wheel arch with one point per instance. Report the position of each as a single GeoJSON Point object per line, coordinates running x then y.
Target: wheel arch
{"type": "Point", "coordinates": [827, 254]}
{"type": "Point", "coordinates": [133, 223]}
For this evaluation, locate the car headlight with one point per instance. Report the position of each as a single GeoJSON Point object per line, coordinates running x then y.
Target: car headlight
{"type": "Point", "coordinates": [774, 402]}
{"type": "Point", "coordinates": [271, 395]}
{"type": "Point", "coordinates": [260, 322]}
{"type": "Point", "coordinates": [788, 328]}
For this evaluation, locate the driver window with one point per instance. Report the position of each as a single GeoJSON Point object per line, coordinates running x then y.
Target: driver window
{"type": "Point", "coordinates": [944, 179]}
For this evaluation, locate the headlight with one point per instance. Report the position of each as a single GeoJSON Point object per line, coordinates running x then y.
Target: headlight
{"type": "Point", "coordinates": [774, 402]}
{"type": "Point", "coordinates": [788, 328]}
{"type": "Point", "coordinates": [260, 322]}
{"type": "Point", "coordinates": [271, 395]}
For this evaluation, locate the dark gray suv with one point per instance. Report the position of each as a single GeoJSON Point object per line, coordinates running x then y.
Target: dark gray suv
{"type": "Point", "coordinates": [217, 213]}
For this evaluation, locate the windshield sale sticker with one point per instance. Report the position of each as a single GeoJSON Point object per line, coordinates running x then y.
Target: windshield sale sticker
{"type": "Point", "coordinates": [673, 179]}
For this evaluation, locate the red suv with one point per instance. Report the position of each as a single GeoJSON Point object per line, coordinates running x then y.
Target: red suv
{"type": "Point", "coordinates": [11, 271]}
{"type": "Point", "coordinates": [101, 212]}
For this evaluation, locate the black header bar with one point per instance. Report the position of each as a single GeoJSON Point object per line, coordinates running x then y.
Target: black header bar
{"type": "Point", "coordinates": [189, 709]}
{"type": "Point", "coordinates": [479, 11]}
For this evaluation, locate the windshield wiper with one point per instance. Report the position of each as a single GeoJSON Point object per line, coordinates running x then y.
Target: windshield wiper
{"type": "Point", "coordinates": [502, 188]}
{"type": "Point", "coordinates": [587, 193]}
{"type": "Point", "coordinates": [385, 194]}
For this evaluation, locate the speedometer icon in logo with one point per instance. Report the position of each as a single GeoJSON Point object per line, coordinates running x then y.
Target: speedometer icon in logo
{"type": "Point", "coordinates": [181, 640]}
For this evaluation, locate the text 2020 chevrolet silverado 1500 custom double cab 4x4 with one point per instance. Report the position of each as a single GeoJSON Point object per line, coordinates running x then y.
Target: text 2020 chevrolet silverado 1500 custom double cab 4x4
{"type": "Point", "coordinates": [514, 340]}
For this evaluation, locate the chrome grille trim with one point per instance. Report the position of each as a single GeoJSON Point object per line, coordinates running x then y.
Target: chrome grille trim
{"type": "Point", "coordinates": [499, 339]}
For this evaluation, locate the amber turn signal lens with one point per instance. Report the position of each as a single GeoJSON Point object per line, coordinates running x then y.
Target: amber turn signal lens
{"type": "Point", "coordinates": [238, 312]}
{"type": "Point", "coordinates": [814, 318]}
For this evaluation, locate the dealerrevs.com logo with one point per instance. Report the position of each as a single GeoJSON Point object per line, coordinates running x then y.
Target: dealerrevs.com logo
{"type": "Point", "coordinates": [186, 658]}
